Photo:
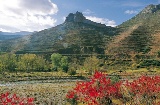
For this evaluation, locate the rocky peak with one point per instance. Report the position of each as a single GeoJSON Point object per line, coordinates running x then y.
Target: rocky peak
{"type": "Point", "coordinates": [151, 8]}
{"type": "Point", "coordinates": [78, 17]}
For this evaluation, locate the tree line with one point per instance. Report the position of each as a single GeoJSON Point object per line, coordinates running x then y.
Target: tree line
{"type": "Point", "coordinates": [25, 62]}
{"type": "Point", "coordinates": [57, 62]}
{"type": "Point", "coordinates": [37, 63]}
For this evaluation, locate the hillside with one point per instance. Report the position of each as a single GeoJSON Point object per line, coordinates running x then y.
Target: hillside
{"type": "Point", "coordinates": [139, 35]}
{"type": "Point", "coordinates": [77, 35]}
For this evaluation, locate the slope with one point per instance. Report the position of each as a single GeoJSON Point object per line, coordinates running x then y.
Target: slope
{"type": "Point", "coordinates": [139, 35]}
{"type": "Point", "coordinates": [76, 35]}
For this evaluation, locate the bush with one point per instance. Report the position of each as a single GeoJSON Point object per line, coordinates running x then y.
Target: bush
{"type": "Point", "coordinates": [147, 63]}
{"type": "Point", "coordinates": [115, 78]}
{"type": "Point", "coordinates": [98, 91]}
{"type": "Point", "coordinates": [9, 99]}
{"type": "Point", "coordinates": [144, 90]}
{"type": "Point", "coordinates": [72, 72]}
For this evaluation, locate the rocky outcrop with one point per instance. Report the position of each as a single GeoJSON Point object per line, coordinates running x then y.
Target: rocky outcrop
{"type": "Point", "coordinates": [151, 8]}
{"type": "Point", "coordinates": [78, 17]}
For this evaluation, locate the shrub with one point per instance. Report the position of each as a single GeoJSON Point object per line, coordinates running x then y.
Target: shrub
{"type": "Point", "coordinates": [72, 72]}
{"type": "Point", "coordinates": [115, 78]}
{"type": "Point", "coordinates": [9, 99]}
{"type": "Point", "coordinates": [144, 90]}
{"type": "Point", "coordinates": [99, 90]}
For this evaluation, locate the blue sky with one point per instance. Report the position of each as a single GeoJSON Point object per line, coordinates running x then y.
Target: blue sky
{"type": "Point", "coordinates": [36, 15]}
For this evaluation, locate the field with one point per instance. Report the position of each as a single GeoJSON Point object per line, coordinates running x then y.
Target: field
{"type": "Point", "coordinates": [43, 93]}
{"type": "Point", "coordinates": [47, 91]}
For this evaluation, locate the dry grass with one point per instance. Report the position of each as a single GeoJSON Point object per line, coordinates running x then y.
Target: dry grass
{"type": "Point", "coordinates": [155, 43]}
{"type": "Point", "coordinates": [54, 93]}
{"type": "Point", "coordinates": [117, 42]}
{"type": "Point", "coordinates": [44, 93]}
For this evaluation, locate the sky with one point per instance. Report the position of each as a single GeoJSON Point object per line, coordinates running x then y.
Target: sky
{"type": "Point", "coordinates": [36, 15]}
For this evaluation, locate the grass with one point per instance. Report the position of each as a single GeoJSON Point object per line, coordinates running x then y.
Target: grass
{"type": "Point", "coordinates": [54, 93]}
{"type": "Point", "coordinates": [22, 76]}
{"type": "Point", "coordinates": [136, 71]}
{"type": "Point", "coordinates": [34, 74]}
{"type": "Point", "coordinates": [44, 93]}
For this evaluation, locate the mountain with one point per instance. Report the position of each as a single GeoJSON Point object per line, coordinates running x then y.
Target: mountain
{"type": "Point", "coordinates": [8, 35]}
{"type": "Point", "coordinates": [77, 35]}
{"type": "Point", "coordinates": [15, 33]}
{"type": "Point", "coordinates": [139, 35]}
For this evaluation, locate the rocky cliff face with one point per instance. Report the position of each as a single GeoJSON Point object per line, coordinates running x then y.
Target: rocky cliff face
{"type": "Point", "coordinates": [151, 9]}
{"type": "Point", "coordinates": [78, 17]}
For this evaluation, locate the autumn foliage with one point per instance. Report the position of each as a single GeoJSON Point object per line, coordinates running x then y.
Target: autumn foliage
{"type": "Point", "coordinates": [13, 99]}
{"type": "Point", "coordinates": [144, 90]}
{"type": "Point", "coordinates": [99, 90]}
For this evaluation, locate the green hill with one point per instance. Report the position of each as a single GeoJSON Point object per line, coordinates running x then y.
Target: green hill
{"type": "Point", "coordinates": [76, 35]}
{"type": "Point", "coordinates": [139, 35]}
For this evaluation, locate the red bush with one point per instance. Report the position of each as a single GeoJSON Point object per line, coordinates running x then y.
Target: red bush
{"type": "Point", "coordinates": [99, 90]}
{"type": "Point", "coordinates": [9, 99]}
{"type": "Point", "coordinates": [145, 89]}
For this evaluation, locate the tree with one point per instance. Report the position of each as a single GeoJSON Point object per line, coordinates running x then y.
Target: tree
{"type": "Point", "coordinates": [91, 64]}
{"type": "Point", "coordinates": [59, 62]}
{"type": "Point", "coordinates": [27, 62]}
{"type": "Point", "coordinates": [64, 63]}
{"type": "Point", "coordinates": [11, 62]}
{"type": "Point", "coordinates": [1, 66]}
{"type": "Point", "coordinates": [32, 62]}
{"type": "Point", "coordinates": [75, 66]}
{"type": "Point", "coordinates": [56, 59]}
{"type": "Point", "coordinates": [8, 62]}
{"type": "Point", "coordinates": [41, 64]}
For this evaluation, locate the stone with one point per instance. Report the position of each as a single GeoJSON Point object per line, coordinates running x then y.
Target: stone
{"type": "Point", "coordinates": [79, 18]}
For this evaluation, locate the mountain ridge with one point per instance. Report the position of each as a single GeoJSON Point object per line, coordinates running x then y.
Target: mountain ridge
{"type": "Point", "coordinates": [9, 35]}
{"type": "Point", "coordinates": [78, 17]}
{"type": "Point", "coordinates": [76, 32]}
{"type": "Point", "coordinates": [138, 33]}
{"type": "Point", "coordinates": [78, 35]}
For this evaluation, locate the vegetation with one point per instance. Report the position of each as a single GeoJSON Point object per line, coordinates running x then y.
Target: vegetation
{"type": "Point", "coordinates": [91, 64]}
{"type": "Point", "coordinates": [7, 99]}
{"type": "Point", "coordinates": [7, 62]}
{"type": "Point", "coordinates": [71, 65]}
{"type": "Point", "coordinates": [35, 67]}
{"type": "Point", "coordinates": [59, 62]}
{"type": "Point", "coordinates": [51, 93]}
{"type": "Point", "coordinates": [25, 63]}
{"type": "Point", "coordinates": [127, 52]}
{"type": "Point", "coordinates": [55, 91]}
{"type": "Point", "coordinates": [99, 90]}
{"type": "Point", "coordinates": [36, 63]}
